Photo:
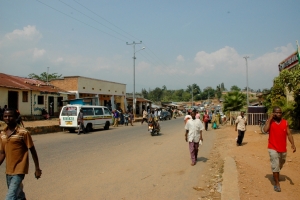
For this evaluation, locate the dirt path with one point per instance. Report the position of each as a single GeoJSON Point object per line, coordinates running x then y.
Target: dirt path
{"type": "Point", "coordinates": [253, 165]}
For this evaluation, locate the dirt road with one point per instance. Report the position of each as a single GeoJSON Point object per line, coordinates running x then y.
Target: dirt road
{"type": "Point", "coordinates": [121, 163]}
{"type": "Point", "coordinates": [253, 165]}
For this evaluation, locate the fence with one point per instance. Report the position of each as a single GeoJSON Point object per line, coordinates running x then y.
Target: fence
{"type": "Point", "coordinates": [252, 118]}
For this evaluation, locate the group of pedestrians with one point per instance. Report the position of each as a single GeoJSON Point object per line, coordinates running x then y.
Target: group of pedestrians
{"type": "Point", "coordinates": [122, 118]}
{"type": "Point", "coordinates": [276, 126]}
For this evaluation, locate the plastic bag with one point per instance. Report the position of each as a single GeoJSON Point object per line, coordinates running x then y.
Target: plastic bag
{"type": "Point", "coordinates": [214, 125]}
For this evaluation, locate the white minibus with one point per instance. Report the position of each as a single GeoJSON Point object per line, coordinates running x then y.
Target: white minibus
{"type": "Point", "coordinates": [94, 117]}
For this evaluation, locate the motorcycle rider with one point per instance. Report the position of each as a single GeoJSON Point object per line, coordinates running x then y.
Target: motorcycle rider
{"type": "Point", "coordinates": [152, 119]}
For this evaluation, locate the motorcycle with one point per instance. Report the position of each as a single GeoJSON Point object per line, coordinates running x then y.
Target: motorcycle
{"type": "Point", "coordinates": [153, 130]}
{"type": "Point", "coordinates": [262, 123]}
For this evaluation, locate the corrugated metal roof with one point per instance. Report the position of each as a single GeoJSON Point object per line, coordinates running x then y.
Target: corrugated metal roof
{"type": "Point", "coordinates": [21, 83]}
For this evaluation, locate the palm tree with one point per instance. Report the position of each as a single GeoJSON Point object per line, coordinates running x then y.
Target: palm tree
{"type": "Point", "coordinates": [234, 101]}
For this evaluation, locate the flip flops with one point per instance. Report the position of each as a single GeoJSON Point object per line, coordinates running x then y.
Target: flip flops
{"type": "Point", "coordinates": [277, 188]}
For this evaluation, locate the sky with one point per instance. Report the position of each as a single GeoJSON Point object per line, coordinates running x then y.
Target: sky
{"type": "Point", "coordinates": [186, 42]}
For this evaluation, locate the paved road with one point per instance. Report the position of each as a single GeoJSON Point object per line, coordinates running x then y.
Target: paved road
{"type": "Point", "coordinates": [121, 163]}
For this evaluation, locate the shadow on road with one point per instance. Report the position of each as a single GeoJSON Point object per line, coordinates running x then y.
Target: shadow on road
{"type": "Point", "coordinates": [202, 159]}
{"type": "Point", "coordinates": [281, 178]}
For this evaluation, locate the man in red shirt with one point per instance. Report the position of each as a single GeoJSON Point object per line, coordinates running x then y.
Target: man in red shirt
{"type": "Point", "coordinates": [278, 132]}
{"type": "Point", "coordinates": [206, 119]}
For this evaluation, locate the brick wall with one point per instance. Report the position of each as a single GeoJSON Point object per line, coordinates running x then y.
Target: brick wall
{"type": "Point", "coordinates": [69, 83]}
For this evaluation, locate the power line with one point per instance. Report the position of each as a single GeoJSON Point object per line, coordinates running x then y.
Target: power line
{"type": "Point", "coordinates": [94, 20]}
{"type": "Point", "coordinates": [153, 58]}
{"type": "Point", "coordinates": [80, 21]}
{"type": "Point", "coordinates": [121, 30]}
{"type": "Point", "coordinates": [104, 19]}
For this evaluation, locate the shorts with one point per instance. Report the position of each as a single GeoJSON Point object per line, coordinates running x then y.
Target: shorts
{"type": "Point", "coordinates": [277, 160]}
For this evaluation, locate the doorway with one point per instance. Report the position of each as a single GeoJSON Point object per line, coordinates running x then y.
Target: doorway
{"type": "Point", "coordinates": [13, 99]}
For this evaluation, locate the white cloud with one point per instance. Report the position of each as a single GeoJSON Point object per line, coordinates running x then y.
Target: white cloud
{"type": "Point", "coordinates": [59, 60]}
{"type": "Point", "coordinates": [226, 56]}
{"type": "Point", "coordinates": [227, 65]}
{"type": "Point", "coordinates": [29, 33]}
{"type": "Point", "coordinates": [38, 53]}
{"type": "Point", "coordinates": [180, 58]}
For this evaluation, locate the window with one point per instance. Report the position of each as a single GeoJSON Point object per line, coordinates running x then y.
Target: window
{"type": "Point", "coordinates": [69, 111]}
{"type": "Point", "coordinates": [40, 99]}
{"type": "Point", "coordinates": [24, 96]}
{"type": "Point", "coordinates": [88, 111]}
{"type": "Point", "coordinates": [59, 101]}
{"type": "Point", "coordinates": [107, 112]}
{"type": "Point", "coordinates": [98, 111]}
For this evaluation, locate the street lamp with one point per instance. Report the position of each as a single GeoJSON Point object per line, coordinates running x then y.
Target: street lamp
{"type": "Point", "coordinates": [133, 94]}
{"type": "Point", "coordinates": [246, 57]}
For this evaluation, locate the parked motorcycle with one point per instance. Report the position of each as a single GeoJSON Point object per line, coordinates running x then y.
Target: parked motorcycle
{"type": "Point", "coordinates": [153, 130]}
{"type": "Point", "coordinates": [262, 123]}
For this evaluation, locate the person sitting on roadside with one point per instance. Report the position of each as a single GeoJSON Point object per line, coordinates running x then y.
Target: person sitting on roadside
{"type": "Point", "coordinates": [45, 114]}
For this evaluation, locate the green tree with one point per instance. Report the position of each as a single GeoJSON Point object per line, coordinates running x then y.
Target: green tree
{"type": "Point", "coordinates": [288, 81]}
{"type": "Point", "coordinates": [235, 88]}
{"type": "Point", "coordinates": [208, 93]}
{"type": "Point", "coordinates": [193, 88]}
{"type": "Point", "coordinates": [234, 101]}
{"type": "Point", "coordinates": [44, 76]}
{"type": "Point", "coordinates": [223, 87]}
{"type": "Point", "coordinates": [219, 91]}
{"type": "Point", "coordinates": [156, 94]}
{"type": "Point", "coordinates": [145, 93]}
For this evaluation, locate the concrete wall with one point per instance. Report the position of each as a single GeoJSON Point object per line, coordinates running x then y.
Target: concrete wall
{"type": "Point", "coordinates": [3, 97]}
{"type": "Point", "coordinates": [94, 86]}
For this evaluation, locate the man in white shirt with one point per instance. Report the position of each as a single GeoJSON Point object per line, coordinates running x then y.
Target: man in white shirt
{"type": "Point", "coordinates": [145, 116]}
{"type": "Point", "coordinates": [193, 135]}
{"type": "Point", "coordinates": [158, 113]}
{"type": "Point", "coordinates": [240, 126]}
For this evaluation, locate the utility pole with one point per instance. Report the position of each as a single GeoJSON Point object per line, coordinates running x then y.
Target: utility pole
{"type": "Point", "coordinates": [246, 57]}
{"type": "Point", "coordinates": [47, 75]}
{"type": "Point", "coordinates": [133, 94]}
{"type": "Point", "coordinates": [192, 98]}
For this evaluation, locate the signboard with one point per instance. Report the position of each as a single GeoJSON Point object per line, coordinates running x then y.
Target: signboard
{"type": "Point", "coordinates": [289, 62]}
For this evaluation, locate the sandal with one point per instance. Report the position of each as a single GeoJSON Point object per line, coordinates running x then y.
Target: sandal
{"type": "Point", "coordinates": [277, 188]}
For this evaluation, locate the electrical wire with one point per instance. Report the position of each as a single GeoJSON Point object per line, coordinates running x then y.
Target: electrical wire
{"type": "Point", "coordinates": [80, 21]}
{"type": "Point", "coordinates": [94, 20]}
{"type": "Point", "coordinates": [157, 58]}
{"type": "Point", "coordinates": [105, 19]}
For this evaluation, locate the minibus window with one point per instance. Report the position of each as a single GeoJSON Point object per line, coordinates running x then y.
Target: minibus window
{"type": "Point", "coordinates": [87, 111]}
{"type": "Point", "coordinates": [98, 111]}
{"type": "Point", "coordinates": [107, 112]}
{"type": "Point", "coordinates": [69, 111]}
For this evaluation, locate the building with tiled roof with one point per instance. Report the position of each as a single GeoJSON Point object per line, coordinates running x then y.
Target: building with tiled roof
{"type": "Point", "coordinates": [30, 96]}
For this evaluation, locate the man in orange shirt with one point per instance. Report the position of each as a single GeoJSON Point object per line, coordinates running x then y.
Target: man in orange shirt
{"type": "Point", "coordinates": [278, 132]}
{"type": "Point", "coordinates": [14, 144]}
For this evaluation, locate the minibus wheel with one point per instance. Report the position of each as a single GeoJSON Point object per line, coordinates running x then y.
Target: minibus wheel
{"type": "Point", "coordinates": [72, 130]}
{"type": "Point", "coordinates": [89, 128]}
{"type": "Point", "coordinates": [106, 127]}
